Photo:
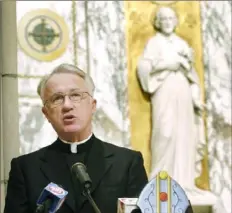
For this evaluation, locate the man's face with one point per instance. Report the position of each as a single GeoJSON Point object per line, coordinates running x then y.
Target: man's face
{"type": "Point", "coordinates": [71, 116]}
{"type": "Point", "coordinates": [167, 21]}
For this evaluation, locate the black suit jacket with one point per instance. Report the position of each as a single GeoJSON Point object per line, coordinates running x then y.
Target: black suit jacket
{"type": "Point", "coordinates": [115, 172]}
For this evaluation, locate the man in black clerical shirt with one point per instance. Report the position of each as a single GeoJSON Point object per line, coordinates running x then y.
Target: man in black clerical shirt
{"type": "Point", "coordinates": [68, 104]}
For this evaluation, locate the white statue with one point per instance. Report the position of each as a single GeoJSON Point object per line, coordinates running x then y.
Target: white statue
{"type": "Point", "coordinates": [166, 72]}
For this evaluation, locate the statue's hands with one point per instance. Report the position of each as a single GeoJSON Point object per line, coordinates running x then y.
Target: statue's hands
{"type": "Point", "coordinates": [184, 63]}
{"type": "Point", "coordinates": [171, 63]}
{"type": "Point", "coordinates": [179, 62]}
{"type": "Point", "coordinates": [188, 54]}
{"type": "Point", "coordinates": [174, 65]}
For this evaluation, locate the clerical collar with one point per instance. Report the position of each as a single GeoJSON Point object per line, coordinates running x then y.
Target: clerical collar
{"type": "Point", "coordinates": [74, 147]}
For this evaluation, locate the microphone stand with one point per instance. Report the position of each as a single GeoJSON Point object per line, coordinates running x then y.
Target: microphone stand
{"type": "Point", "coordinates": [87, 194]}
{"type": "Point", "coordinates": [78, 171]}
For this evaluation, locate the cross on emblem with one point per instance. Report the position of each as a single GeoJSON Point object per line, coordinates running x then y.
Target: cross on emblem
{"type": "Point", "coordinates": [43, 34]}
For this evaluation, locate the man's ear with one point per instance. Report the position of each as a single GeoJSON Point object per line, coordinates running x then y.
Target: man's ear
{"type": "Point", "coordinates": [45, 112]}
{"type": "Point", "coordinates": [94, 107]}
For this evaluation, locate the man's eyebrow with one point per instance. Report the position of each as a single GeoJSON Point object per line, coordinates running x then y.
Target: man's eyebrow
{"type": "Point", "coordinates": [75, 89]}
{"type": "Point", "coordinates": [59, 92]}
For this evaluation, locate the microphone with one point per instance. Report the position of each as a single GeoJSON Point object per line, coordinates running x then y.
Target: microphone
{"type": "Point", "coordinates": [79, 172]}
{"type": "Point", "coordinates": [51, 199]}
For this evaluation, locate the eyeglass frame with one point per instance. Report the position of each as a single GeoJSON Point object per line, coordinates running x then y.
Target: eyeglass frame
{"type": "Point", "coordinates": [48, 101]}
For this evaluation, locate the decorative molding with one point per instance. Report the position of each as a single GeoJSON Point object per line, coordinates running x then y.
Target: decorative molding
{"type": "Point", "coordinates": [5, 181]}
{"type": "Point", "coordinates": [14, 75]}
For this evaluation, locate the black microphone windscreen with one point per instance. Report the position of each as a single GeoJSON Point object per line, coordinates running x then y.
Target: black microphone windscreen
{"type": "Point", "coordinates": [79, 172]}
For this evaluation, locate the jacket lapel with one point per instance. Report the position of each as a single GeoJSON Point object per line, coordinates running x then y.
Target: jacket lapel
{"type": "Point", "coordinates": [99, 162]}
{"type": "Point", "coordinates": [56, 170]}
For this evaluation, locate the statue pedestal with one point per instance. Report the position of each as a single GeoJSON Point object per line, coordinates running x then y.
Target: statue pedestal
{"type": "Point", "coordinates": [205, 201]}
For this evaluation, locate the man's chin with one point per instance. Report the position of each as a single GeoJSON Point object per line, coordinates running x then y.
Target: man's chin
{"type": "Point", "coordinates": [72, 129]}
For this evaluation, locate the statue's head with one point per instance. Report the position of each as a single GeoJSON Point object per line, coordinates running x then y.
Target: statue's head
{"type": "Point", "coordinates": [165, 20]}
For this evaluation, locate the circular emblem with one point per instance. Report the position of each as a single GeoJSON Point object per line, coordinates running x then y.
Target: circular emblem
{"type": "Point", "coordinates": [43, 35]}
{"type": "Point", "coordinates": [56, 190]}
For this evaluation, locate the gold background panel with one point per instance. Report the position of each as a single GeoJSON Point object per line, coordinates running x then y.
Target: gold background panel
{"type": "Point", "coordinates": [139, 16]}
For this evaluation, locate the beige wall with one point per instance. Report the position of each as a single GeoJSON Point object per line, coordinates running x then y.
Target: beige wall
{"type": "Point", "coordinates": [9, 90]}
{"type": "Point", "coordinates": [1, 144]}
{"type": "Point", "coordinates": [1, 147]}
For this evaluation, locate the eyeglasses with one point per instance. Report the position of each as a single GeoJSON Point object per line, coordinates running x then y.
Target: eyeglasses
{"type": "Point", "coordinates": [58, 98]}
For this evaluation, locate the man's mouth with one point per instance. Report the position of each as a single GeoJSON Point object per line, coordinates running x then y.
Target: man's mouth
{"type": "Point", "coordinates": [69, 117]}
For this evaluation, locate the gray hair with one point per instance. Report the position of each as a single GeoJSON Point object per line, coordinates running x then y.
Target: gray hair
{"type": "Point", "coordinates": [66, 68]}
{"type": "Point", "coordinates": [156, 22]}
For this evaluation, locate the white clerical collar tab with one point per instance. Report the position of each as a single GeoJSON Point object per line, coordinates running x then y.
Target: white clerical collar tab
{"type": "Point", "coordinates": [73, 148]}
{"type": "Point", "coordinates": [73, 145]}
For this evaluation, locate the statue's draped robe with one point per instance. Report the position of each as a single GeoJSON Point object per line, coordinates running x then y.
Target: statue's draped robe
{"type": "Point", "coordinates": [175, 139]}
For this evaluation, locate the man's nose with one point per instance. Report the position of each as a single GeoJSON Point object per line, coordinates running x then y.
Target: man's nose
{"type": "Point", "coordinates": [68, 104]}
